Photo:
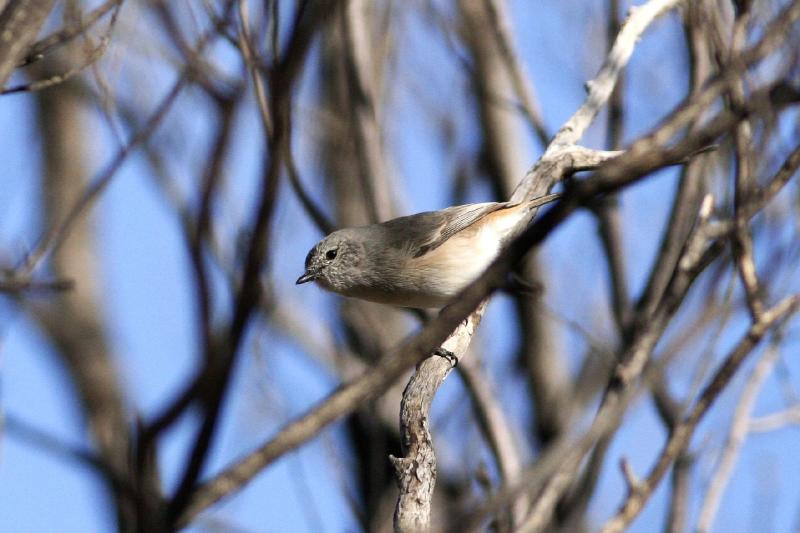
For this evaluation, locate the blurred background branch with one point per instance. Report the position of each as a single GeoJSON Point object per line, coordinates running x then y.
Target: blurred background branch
{"type": "Point", "coordinates": [161, 369]}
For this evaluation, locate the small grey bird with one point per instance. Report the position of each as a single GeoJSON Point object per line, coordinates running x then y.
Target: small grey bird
{"type": "Point", "coordinates": [420, 260]}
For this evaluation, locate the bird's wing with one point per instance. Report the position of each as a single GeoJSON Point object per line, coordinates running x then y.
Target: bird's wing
{"type": "Point", "coordinates": [424, 232]}
{"type": "Point", "coordinates": [455, 219]}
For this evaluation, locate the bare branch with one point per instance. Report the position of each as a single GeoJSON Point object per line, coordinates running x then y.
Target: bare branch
{"type": "Point", "coordinates": [89, 59]}
{"type": "Point", "coordinates": [38, 50]}
{"type": "Point", "coordinates": [774, 421]}
{"type": "Point", "coordinates": [744, 179]}
{"type": "Point", "coordinates": [736, 436]}
{"type": "Point", "coordinates": [14, 284]}
{"type": "Point", "coordinates": [364, 112]}
{"type": "Point", "coordinates": [680, 437]}
{"type": "Point", "coordinates": [601, 87]}
{"type": "Point", "coordinates": [500, 21]}
{"type": "Point", "coordinates": [20, 21]}
{"type": "Point", "coordinates": [51, 241]}
{"type": "Point", "coordinates": [496, 428]}
{"type": "Point", "coordinates": [364, 81]}
{"type": "Point", "coordinates": [26, 432]}
{"type": "Point", "coordinates": [631, 480]}
{"type": "Point", "coordinates": [222, 356]}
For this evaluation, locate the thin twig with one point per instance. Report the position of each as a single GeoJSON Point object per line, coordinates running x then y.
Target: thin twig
{"type": "Point", "coordinates": [501, 24]}
{"type": "Point", "coordinates": [38, 49]}
{"type": "Point", "coordinates": [91, 57]}
{"type": "Point", "coordinates": [736, 436]}
{"type": "Point", "coordinates": [774, 421]}
{"type": "Point", "coordinates": [20, 22]}
{"type": "Point", "coordinates": [495, 426]}
{"type": "Point", "coordinates": [56, 235]}
{"type": "Point", "coordinates": [600, 88]}
{"type": "Point", "coordinates": [680, 437]}
{"type": "Point", "coordinates": [24, 431]}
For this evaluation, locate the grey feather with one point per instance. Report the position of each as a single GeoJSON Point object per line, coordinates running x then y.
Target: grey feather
{"type": "Point", "coordinates": [423, 232]}
{"type": "Point", "coordinates": [392, 263]}
{"type": "Point", "coordinates": [433, 228]}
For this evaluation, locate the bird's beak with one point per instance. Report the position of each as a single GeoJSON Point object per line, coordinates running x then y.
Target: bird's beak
{"type": "Point", "coordinates": [305, 278]}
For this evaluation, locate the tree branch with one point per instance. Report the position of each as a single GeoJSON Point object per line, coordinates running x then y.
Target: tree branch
{"type": "Point", "coordinates": [736, 436]}
{"type": "Point", "coordinates": [20, 21]}
{"type": "Point", "coordinates": [680, 437]}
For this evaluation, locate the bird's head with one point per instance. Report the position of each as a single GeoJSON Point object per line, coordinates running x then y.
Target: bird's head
{"type": "Point", "coordinates": [334, 261]}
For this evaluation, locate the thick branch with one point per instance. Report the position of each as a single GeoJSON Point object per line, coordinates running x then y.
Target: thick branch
{"type": "Point", "coordinates": [416, 470]}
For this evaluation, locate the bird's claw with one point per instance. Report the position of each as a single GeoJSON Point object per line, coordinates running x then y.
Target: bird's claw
{"type": "Point", "coordinates": [447, 354]}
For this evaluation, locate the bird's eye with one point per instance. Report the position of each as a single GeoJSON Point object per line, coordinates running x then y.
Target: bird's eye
{"type": "Point", "coordinates": [331, 254]}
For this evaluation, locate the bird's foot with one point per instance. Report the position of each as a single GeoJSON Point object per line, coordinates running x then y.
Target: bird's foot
{"type": "Point", "coordinates": [447, 354]}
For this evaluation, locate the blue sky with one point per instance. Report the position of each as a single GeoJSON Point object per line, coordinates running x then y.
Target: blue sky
{"type": "Point", "coordinates": [148, 298]}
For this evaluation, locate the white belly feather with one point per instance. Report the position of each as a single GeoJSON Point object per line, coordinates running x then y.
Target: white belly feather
{"type": "Point", "coordinates": [443, 272]}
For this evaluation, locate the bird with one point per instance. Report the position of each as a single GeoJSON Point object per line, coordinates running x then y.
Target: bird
{"type": "Point", "coordinates": [419, 261]}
